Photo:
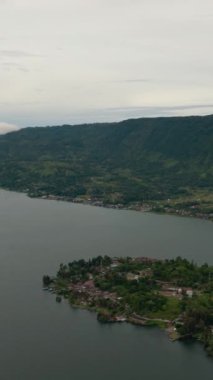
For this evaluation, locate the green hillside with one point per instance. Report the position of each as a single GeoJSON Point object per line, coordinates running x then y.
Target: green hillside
{"type": "Point", "coordinates": [163, 163]}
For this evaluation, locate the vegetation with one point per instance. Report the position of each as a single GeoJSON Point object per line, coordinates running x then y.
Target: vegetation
{"type": "Point", "coordinates": [176, 294]}
{"type": "Point", "coordinates": [162, 164]}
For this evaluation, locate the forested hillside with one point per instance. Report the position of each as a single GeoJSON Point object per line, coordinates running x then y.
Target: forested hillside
{"type": "Point", "coordinates": [165, 163]}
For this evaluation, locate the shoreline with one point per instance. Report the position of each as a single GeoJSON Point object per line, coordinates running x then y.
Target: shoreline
{"type": "Point", "coordinates": [133, 207]}
{"type": "Point", "coordinates": [141, 321]}
{"type": "Point", "coordinates": [143, 208]}
{"type": "Point", "coordinates": [137, 320]}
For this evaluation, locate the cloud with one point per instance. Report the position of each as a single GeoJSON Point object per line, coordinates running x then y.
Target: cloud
{"type": "Point", "coordinates": [3, 2]}
{"type": "Point", "coordinates": [162, 108]}
{"type": "Point", "coordinates": [136, 80]}
{"type": "Point", "coordinates": [104, 55]}
{"type": "Point", "coordinates": [10, 66]}
{"type": "Point", "coordinates": [6, 127]}
{"type": "Point", "coordinates": [17, 54]}
{"type": "Point", "coordinates": [120, 113]}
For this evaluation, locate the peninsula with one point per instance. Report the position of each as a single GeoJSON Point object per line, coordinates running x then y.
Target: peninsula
{"type": "Point", "coordinates": [173, 294]}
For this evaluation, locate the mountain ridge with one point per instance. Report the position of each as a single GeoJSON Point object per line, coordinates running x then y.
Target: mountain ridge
{"type": "Point", "coordinates": [131, 163]}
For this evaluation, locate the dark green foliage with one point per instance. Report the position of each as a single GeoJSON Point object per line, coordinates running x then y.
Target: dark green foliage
{"type": "Point", "coordinates": [198, 320]}
{"type": "Point", "coordinates": [46, 280]}
{"type": "Point", "coordinates": [198, 313]}
{"type": "Point", "coordinates": [79, 269]}
{"type": "Point", "coordinates": [132, 161]}
{"type": "Point", "coordinates": [184, 273]}
{"type": "Point", "coordinates": [104, 316]}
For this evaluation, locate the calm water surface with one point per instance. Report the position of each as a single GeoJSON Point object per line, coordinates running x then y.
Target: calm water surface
{"type": "Point", "coordinates": [43, 340]}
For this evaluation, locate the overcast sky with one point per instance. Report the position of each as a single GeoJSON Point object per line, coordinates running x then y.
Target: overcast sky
{"type": "Point", "coordinates": [73, 61]}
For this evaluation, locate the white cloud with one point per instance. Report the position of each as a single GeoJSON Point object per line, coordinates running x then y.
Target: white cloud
{"type": "Point", "coordinates": [6, 127]}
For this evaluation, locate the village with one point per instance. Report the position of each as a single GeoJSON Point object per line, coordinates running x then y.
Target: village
{"type": "Point", "coordinates": [175, 294]}
{"type": "Point", "coordinates": [92, 291]}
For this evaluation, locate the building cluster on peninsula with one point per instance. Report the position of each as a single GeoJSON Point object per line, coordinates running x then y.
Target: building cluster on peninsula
{"type": "Point", "coordinates": [174, 294]}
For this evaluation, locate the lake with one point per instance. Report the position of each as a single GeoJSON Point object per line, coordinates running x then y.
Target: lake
{"type": "Point", "coordinates": [41, 339]}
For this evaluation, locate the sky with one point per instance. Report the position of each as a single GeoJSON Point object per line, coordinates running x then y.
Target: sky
{"type": "Point", "coordinates": [77, 61]}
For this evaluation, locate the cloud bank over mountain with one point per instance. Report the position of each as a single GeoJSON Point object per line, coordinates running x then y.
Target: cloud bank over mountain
{"type": "Point", "coordinates": [6, 127]}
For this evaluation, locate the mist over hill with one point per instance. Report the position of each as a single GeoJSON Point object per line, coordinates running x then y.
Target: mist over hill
{"type": "Point", "coordinates": [162, 162]}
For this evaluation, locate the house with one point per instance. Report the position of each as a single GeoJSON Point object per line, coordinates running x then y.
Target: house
{"type": "Point", "coordinates": [189, 292]}
{"type": "Point", "coordinates": [131, 276]}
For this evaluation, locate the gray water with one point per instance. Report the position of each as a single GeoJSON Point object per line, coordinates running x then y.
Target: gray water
{"type": "Point", "coordinates": [41, 339]}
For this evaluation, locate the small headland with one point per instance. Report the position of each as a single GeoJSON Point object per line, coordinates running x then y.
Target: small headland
{"type": "Point", "coordinates": [176, 295]}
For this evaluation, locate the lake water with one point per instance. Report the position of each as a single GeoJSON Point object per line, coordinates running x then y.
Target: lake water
{"type": "Point", "coordinates": [43, 340]}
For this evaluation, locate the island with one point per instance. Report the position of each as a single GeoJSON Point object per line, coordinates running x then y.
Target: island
{"type": "Point", "coordinates": [174, 294]}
